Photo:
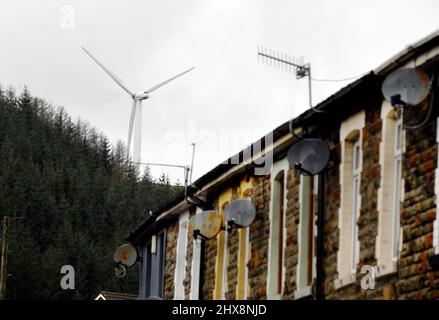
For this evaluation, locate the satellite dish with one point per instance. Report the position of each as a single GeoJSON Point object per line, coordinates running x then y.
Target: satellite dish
{"type": "Point", "coordinates": [126, 254]}
{"type": "Point", "coordinates": [240, 212]}
{"type": "Point", "coordinates": [208, 223]}
{"type": "Point", "coordinates": [309, 156]}
{"type": "Point", "coordinates": [408, 86]}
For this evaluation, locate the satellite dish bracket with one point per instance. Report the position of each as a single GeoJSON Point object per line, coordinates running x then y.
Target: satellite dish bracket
{"type": "Point", "coordinates": [197, 234]}
{"type": "Point", "coordinates": [230, 225]}
{"type": "Point", "coordinates": [298, 167]}
{"type": "Point", "coordinates": [397, 102]}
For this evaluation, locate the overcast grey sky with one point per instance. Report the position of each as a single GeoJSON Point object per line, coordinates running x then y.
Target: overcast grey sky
{"type": "Point", "coordinates": [229, 94]}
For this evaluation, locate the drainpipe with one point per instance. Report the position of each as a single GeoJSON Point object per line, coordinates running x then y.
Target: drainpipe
{"type": "Point", "coordinates": [319, 290]}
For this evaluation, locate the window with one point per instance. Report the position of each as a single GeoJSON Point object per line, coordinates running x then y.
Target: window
{"type": "Point", "coordinates": [180, 269]}
{"type": "Point", "coordinates": [153, 267]}
{"type": "Point", "coordinates": [396, 190]}
{"type": "Point", "coordinates": [277, 238]}
{"type": "Point", "coordinates": [350, 198]}
{"type": "Point", "coordinates": [390, 191]}
{"type": "Point", "coordinates": [306, 259]}
{"type": "Point", "coordinates": [355, 206]}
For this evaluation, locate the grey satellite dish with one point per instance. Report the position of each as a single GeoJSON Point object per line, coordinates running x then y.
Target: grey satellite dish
{"type": "Point", "coordinates": [309, 156]}
{"type": "Point", "coordinates": [407, 86]}
{"type": "Point", "coordinates": [240, 212]}
{"type": "Point", "coordinates": [126, 254]}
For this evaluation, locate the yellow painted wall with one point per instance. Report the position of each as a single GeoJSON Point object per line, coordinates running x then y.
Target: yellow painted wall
{"type": "Point", "coordinates": [223, 201]}
{"type": "Point", "coordinates": [244, 191]}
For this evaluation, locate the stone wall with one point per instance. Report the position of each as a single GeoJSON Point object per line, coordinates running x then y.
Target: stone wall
{"type": "Point", "coordinates": [170, 260]}
{"type": "Point", "coordinates": [415, 280]}
{"type": "Point", "coordinates": [259, 233]}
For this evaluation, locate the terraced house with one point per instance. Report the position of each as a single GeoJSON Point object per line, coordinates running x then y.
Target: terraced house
{"type": "Point", "coordinates": [378, 206]}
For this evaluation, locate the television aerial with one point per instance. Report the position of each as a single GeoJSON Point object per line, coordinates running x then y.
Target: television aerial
{"type": "Point", "coordinates": [206, 224]}
{"type": "Point", "coordinates": [309, 156]}
{"type": "Point", "coordinates": [406, 87]}
{"type": "Point", "coordinates": [240, 213]}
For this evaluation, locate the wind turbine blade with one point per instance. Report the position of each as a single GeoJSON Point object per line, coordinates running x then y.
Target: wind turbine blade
{"type": "Point", "coordinates": [167, 81]}
{"type": "Point", "coordinates": [111, 74]}
{"type": "Point", "coordinates": [130, 129]}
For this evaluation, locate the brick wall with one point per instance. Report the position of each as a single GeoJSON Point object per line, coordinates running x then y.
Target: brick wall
{"type": "Point", "coordinates": [259, 233]}
{"type": "Point", "coordinates": [418, 212]}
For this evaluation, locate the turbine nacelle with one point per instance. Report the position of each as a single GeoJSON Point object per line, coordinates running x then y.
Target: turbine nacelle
{"type": "Point", "coordinates": [140, 96]}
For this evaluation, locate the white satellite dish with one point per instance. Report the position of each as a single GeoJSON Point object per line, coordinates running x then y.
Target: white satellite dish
{"type": "Point", "coordinates": [207, 223]}
{"type": "Point", "coordinates": [241, 213]}
{"type": "Point", "coordinates": [406, 87]}
{"type": "Point", "coordinates": [126, 254]}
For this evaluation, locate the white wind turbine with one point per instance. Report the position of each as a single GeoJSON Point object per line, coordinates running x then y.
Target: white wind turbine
{"type": "Point", "coordinates": [136, 109]}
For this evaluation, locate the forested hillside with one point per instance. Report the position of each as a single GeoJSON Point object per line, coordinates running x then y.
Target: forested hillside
{"type": "Point", "coordinates": [77, 196]}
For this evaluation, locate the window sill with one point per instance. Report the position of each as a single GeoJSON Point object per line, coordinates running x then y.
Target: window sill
{"type": "Point", "coordinates": [303, 293]}
{"type": "Point", "coordinates": [344, 281]}
{"type": "Point", "coordinates": [275, 297]}
{"type": "Point", "coordinates": [386, 269]}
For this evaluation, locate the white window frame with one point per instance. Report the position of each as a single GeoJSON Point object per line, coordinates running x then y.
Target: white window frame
{"type": "Point", "coordinates": [356, 183]}
{"type": "Point", "coordinates": [246, 255]}
{"type": "Point", "coordinates": [303, 289]}
{"type": "Point", "coordinates": [247, 258]}
{"type": "Point", "coordinates": [181, 250]}
{"type": "Point", "coordinates": [195, 266]}
{"type": "Point", "coordinates": [391, 190]}
{"type": "Point", "coordinates": [224, 284]}
{"type": "Point", "coordinates": [397, 183]}
{"type": "Point", "coordinates": [349, 245]}
{"type": "Point", "coordinates": [272, 275]}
